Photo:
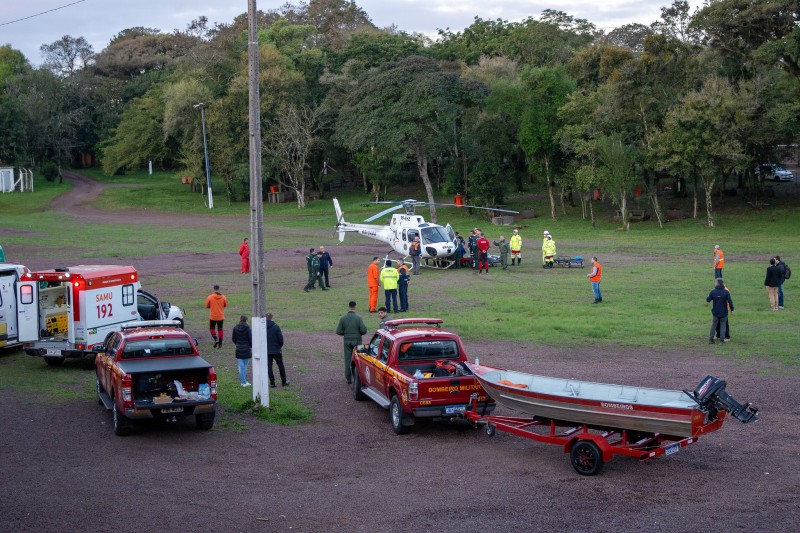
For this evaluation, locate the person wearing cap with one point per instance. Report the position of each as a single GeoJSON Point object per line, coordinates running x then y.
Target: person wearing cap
{"type": "Point", "coordinates": [373, 280]}
{"type": "Point", "coordinates": [415, 252]}
{"type": "Point", "coordinates": [594, 277]}
{"type": "Point", "coordinates": [722, 302]}
{"type": "Point", "coordinates": [389, 279]}
{"type": "Point", "coordinates": [351, 326]}
{"type": "Point", "coordinates": [719, 261]}
{"type": "Point", "coordinates": [548, 251]}
{"type": "Point", "coordinates": [504, 250]}
{"type": "Point", "coordinates": [516, 247]}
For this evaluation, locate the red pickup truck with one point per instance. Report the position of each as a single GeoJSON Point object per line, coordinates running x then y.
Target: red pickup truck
{"type": "Point", "coordinates": [414, 368]}
{"type": "Point", "coordinates": [153, 370]}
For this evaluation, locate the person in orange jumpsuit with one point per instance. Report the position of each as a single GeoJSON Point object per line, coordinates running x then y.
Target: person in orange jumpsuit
{"type": "Point", "coordinates": [373, 276]}
{"type": "Point", "coordinates": [244, 252]}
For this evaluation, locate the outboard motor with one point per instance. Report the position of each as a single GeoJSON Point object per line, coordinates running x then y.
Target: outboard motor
{"type": "Point", "coordinates": [710, 395]}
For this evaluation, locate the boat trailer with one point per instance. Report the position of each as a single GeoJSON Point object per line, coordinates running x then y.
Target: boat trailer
{"type": "Point", "coordinates": [590, 447]}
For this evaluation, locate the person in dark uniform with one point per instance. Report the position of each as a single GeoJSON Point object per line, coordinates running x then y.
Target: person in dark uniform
{"type": "Point", "coordinates": [312, 280]}
{"type": "Point", "coordinates": [316, 266]}
{"type": "Point", "coordinates": [325, 262]}
{"type": "Point", "coordinates": [505, 249]}
{"type": "Point", "coordinates": [402, 286]}
{"type": "Point", "coordinates": [275, 352]}
{"type": "Point", "coordinates": [351, 326]}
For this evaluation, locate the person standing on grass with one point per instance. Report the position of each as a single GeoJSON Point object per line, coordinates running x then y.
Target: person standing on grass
{"type": "Point", "coordinates": [772, 282]}
{"type": "Point", "coordinates": [373, 281]}
{"type": "Point", "coordinates": [782, 268]}
{"type": "Point", "coordinates": [351, 326]}
{"type": "Point", "coordinates": [275, 352]}
{"type": "Point", "coordinates": [719, 310]}
{"type": "Point", "coordinates": [244, 253]}
{"type": "Point", "coordinates": [483, 244]}
{"type": "Point", "coordinates": [389, 279]}
{"type": "Point", "coordinates": [415, 252]}
{"type": "Point", "coordinates": [719, 261]}
{"type": "Point", "coordinates": [402, 285]}
{"type": "Point", "coordinates": [242, 338]}
{"type": "Point", "coordinates": [504, 251]}
{"type": "Point", "coordinates": [216, 303]}
{"type": "Point", "coordinates": [315, 264]}
{"type": "Point", "coordinates": [325, 262]}
{"type": "Point", "coordinates": [594, 277]}
{"type": "Point", "coordinates": [516, 247]}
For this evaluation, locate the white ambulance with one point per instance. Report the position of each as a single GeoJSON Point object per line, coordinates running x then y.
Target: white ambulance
{"type": "Point", "coordinates": [65, 312]}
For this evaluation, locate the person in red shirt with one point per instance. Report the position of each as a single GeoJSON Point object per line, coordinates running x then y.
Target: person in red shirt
{"type": "Point", "coordinates": [244, 252]}
{"type": "Point", "coordinates": [217, 303]}
{"type": "Point", "coordinates": [483, 245]}
{"type": "Point", "coordinates": [373, 282]}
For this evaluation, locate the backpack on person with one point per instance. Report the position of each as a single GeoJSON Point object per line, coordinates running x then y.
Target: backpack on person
{"type": "Point", "coordinates": [787, 272]}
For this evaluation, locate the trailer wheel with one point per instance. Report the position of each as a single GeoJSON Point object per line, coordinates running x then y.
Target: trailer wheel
{"type": "Point", "coordinates": [54, 361]}
{"type": "Point", "coordinates": [491, 430]}
{"type": "Point", "coordinates": [204, 421]}
{"type": "Point", "coordinates": [358, 395]}
{"type": "Point", "coordinates": [122, 426]}
{"type": "Point", "coordinates": [586, 458]}
{"type": "Point", "coordinates": [396, 416]}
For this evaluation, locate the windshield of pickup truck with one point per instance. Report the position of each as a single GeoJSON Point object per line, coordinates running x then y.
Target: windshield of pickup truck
{"type": "Point", "coordinates": [157, 348]}
{"type": "Point", "coordinates": [427, 350]}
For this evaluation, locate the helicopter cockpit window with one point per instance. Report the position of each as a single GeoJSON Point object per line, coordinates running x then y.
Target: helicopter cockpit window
{"type": "Point", "coordinates": [434, 234]}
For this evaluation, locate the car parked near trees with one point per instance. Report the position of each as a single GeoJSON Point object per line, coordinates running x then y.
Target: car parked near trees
{"type": "Point", "coordinates": [773, 172]}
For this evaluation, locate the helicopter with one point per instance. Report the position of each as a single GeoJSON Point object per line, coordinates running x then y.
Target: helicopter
{"type": "Point", "coordinates": [437, 243]}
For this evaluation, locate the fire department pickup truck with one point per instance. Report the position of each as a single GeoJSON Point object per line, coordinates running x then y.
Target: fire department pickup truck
{"type": "Point", "coordinates": [153, 370]}
{"type": "Point", "coordinates": [414, 369]}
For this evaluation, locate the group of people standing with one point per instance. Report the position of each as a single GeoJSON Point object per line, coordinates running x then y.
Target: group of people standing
{"type": "Point", "coordinates": [720, 295]}
{"type": "Point", "coordinates": [395, 281]}
{"type": "Point", "coordinates": [318, 264]}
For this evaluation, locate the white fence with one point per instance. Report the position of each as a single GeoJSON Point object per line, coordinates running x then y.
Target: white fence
{"type": "Point", "coordinates": [24, 181]}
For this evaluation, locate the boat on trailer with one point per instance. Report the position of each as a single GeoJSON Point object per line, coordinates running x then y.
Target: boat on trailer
{"type": "Point", "coordinates": [604, 419]}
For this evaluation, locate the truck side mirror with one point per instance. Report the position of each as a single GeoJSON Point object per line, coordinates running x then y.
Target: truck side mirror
{"type": "Point", "coordinates": [98, 348]}
{"type": "Point", "coordinates": [360, 348]}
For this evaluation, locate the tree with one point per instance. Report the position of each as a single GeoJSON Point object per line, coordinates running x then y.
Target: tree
{"type": "Point", "coordinates": [67, 55]}
{"type": "Point", "coordinates": [289, 141]}
{"type": "Point", "coordinates": [616, 173]}
{"type": "Point", "coordinates": [701, 135]}
{"type": "Point", "coordinates": [403, 109]}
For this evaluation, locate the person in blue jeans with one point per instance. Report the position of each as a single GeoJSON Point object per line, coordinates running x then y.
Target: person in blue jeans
{"type": "Point", "coordinates": [242, 338]}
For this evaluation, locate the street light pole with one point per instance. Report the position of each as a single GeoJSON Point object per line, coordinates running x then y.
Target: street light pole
{"type": "Point", "coordinates": [201, 106]}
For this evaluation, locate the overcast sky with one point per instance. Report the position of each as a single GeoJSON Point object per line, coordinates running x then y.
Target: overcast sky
{"type": "Point", "coordinates": [27, 24]}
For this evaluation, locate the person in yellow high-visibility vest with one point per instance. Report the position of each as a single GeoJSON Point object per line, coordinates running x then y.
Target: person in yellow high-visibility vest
{"type": "Point", "coordinates": [548, 251]}
{"type": "Point", "coordinates": [389, 279]}
{"type": "Point", "coordinates": [516, 247]}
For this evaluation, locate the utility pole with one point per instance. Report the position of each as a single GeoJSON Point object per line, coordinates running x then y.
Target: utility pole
{"type": "Point", "coordinates": [260, 360]}
{"type": "Point", "coordinates": [201, 106]}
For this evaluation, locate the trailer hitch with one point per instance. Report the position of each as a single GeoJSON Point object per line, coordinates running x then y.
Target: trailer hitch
{"type": "Point", "coordinates": [710, 394]}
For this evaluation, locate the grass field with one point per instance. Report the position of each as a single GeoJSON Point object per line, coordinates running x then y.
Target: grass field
{"type": "Point", "coordinates": [654, 286]}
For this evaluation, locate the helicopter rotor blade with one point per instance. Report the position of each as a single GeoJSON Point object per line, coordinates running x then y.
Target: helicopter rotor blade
{"type": "Point", "coordinates": [384, 212]}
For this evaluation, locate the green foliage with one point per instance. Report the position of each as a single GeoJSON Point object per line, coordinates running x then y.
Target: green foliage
{"type": "Point", "coordinates": [50, 171]}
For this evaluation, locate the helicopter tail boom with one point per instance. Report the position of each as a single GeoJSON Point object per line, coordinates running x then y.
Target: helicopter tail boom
{"type": "Point", "coordinates": [339, 219]}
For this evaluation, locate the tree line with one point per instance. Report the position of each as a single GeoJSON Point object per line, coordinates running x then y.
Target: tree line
{"type": "Point", "coordinates": [704, 97]}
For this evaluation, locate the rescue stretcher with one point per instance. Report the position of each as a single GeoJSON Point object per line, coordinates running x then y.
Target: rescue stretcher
{"type": "Point", "coordinates": [569, 262]}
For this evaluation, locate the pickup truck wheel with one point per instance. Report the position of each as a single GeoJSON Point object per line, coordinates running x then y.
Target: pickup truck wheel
{"type": "Point", "coordinates": [357, 394]}
{"type": "Point", "coordinates": [204, 421]}
{"type": "Point", "coordinates": [586, 458]}
{"type": "Point", "coordinates": [54, 361]}
{"type": "Point", "coordinates": [396, 416]}
{"type": "Point", "coordinates": [99, 389]}
{"type": "Point", "coordinates": [122, 426]}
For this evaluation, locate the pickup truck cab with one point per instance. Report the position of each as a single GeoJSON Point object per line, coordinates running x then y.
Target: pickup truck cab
{"type": "Point", "coordinates": [414, 369]}
{"type": "Point", "coordinates": [153, 370]}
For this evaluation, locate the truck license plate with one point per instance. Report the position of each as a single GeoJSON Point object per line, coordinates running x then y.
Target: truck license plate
{"type": "Point", "coordinates": [454, 409]}
{"type": "Point", "coordinates": [672, 448]}
{"type": "Point", "coordinates": [172, 410]}
{"type": "Point", "coordinates": [53, 351]}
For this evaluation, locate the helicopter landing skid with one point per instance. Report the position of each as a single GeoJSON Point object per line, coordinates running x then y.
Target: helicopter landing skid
{"type": "Point", "coordinates": [438, 263]}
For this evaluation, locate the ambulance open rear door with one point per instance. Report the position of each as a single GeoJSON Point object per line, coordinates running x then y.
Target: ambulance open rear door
{"type": "Point", "coordinates": [28, 311]}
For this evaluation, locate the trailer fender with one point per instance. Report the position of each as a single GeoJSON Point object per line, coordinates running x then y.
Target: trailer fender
{"type": "Point", "coordinates": [605, 447]}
